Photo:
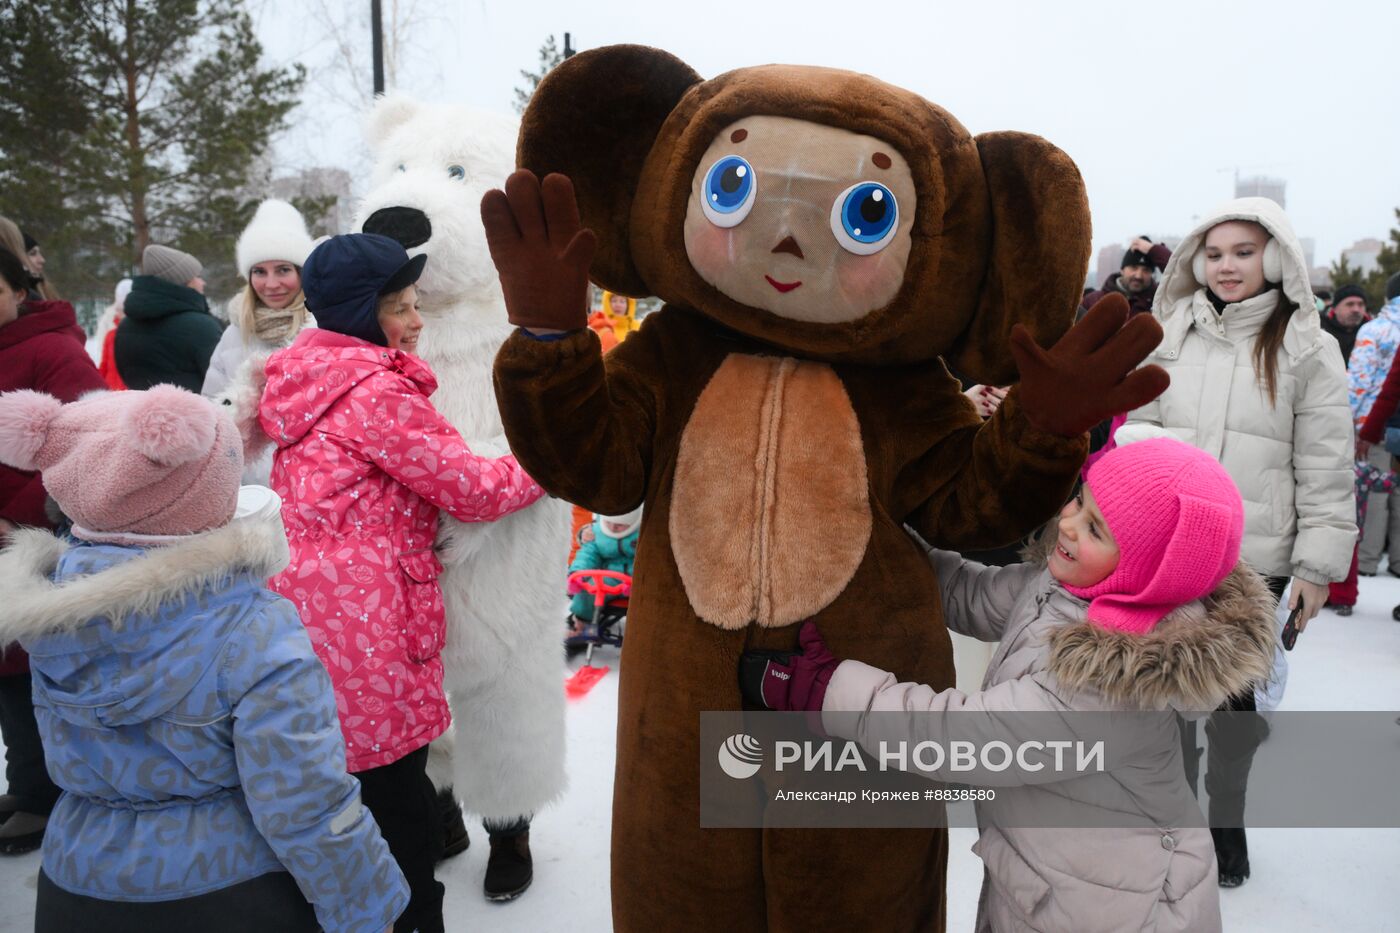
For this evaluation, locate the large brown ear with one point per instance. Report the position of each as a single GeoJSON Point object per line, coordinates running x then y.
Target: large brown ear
{"type": "Point", "coordinates": [594, 118]}
{"type": "Point", "coordinates": [1039, 252]}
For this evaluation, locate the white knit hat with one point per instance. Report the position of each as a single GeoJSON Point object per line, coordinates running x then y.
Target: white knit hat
{"type": "Point", "coordinates": [277, 231]}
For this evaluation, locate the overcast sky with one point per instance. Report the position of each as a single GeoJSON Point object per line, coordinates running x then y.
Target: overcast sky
{"type": "Point", "coordinates": [1159, 103]}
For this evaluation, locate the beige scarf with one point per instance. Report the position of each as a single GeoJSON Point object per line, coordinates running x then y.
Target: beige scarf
{"type": "Point", "coordinates": [278, 327]}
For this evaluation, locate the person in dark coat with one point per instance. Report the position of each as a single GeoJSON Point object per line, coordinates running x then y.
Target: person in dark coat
{"type": "Point", "coordinates": [168, 334]}
{"type": "Point", "coordinates": [1134, 279]}
{"type": "Point", "coordinates": [1345, 317]}
{"type": "Point", "coordinates": [41, 348]}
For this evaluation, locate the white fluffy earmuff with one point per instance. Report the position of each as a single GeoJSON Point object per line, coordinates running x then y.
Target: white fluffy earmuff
{"type": "Point", "coordinates": [1273, 263]}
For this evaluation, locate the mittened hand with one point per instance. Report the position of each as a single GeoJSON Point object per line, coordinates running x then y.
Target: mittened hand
{"type": "Point", "coordinates": [541, 252]}
{"type": "Point", "coordinates": [785, 681]}
{"type": "Point", "coordinates": [1090, 374]}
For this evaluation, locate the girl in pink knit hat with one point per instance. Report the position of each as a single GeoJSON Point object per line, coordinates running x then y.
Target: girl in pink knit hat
{"type": "Point", "coordinates": [183, 712]}
{"type": "Point", "coordinates": [1139, 603]}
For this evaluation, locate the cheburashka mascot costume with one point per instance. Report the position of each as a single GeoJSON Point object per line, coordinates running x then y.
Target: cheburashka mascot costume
{"type": "Point", "coordinates": [822, 241]}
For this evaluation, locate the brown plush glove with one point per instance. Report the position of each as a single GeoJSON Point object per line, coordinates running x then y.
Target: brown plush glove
{"type": "Point", "coordinates": [541, 253]}
{"type": "Point", "coordinates": [1089, 374]}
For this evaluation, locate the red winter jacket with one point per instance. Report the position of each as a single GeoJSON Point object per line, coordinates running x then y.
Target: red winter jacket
{"type": "Point", "coordinates": [108, 366]}
{"type": "Point", "coordinates": [1383, 408]}
{"type": "Point", "coordinates": [364, 463]}
{"type": "Point", "coordinates": [42, 350]}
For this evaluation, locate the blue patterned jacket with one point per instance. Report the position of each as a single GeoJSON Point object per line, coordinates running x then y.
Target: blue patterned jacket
{"type": "Point", "coordinates": [191, 727]}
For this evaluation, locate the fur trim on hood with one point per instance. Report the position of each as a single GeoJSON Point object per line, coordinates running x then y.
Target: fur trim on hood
{"type": "Point", "coordinates": [241, 399]}
{"type": "Point", "coordinates": [1194, 659]}
{"type": "Point", "coordinates": [35, 605]}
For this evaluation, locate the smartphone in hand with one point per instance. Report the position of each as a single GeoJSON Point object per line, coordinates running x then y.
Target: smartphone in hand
{"type": "Point", "coordinates": [1290, 628]}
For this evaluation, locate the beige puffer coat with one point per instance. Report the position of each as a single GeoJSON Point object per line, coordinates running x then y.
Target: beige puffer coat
{"type": "Point", "coordinates": [1160, 877]}
{"type": "Point", "coordinates": [1292, 460]}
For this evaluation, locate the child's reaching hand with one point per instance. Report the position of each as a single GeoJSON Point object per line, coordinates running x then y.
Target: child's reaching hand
{"type": "Point", "coordinates": [785, 681]}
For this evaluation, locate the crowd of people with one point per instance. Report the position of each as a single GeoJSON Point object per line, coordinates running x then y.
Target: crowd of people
{"type": "Point", "coordinates": [259, 673]}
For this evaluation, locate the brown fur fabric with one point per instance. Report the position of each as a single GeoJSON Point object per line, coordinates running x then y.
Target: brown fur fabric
{"type": "Point", "coordinates": [837, 434]}
{"type": "Point", "coordinates": [565, 130]}
{"type": "Point", "coordinates": [984, 218]}
{"type": "Point", "coordinates": [786, 433]}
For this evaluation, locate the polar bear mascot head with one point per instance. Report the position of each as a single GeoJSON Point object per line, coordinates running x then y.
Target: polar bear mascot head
{"type": "Point", "coordinates": [433, 163]}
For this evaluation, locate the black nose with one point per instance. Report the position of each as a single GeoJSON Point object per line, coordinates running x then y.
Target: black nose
{"type": "Point", "coordinates": [408, 225]}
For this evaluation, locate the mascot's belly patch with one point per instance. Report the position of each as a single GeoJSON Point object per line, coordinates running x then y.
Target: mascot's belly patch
{"type": "Point", "coordinates": [770, 513]}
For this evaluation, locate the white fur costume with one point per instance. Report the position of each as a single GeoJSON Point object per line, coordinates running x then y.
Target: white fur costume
{"type": "Point", "coordinates": [502, 582]}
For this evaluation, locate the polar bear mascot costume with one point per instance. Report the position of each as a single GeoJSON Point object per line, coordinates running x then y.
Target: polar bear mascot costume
{"type": "Point", "coordinates": [502, 582]}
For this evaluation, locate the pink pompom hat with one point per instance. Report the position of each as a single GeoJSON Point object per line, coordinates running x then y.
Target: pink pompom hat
{"type": "Point", "coordinates": [1178, 521]}
{"type": "Point", "coordinates": [124, 466]}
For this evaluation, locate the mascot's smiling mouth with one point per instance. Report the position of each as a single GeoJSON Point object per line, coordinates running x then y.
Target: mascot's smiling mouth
{"type": "Point", "coordinates": [781, 286]}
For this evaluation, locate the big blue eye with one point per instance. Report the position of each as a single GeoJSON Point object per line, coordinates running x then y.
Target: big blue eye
{"type": "Point", "coordinates": [864, 218]}
{"type": "Point", "coordinates": [728, 192]}
{"type": "Point", "coordinates": [456, 172]}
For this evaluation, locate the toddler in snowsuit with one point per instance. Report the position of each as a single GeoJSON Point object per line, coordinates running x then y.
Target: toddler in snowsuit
{"type": "Point", "coordinates": [1142, 604]}
{"type": "Point", "coordinates": [613, 547]}
{"type": "Point", "coordinates": [191, 727]}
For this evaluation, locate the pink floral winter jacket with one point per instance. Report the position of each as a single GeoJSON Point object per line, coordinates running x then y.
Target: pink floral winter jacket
{"type": "Point", "coordinates": [363, 464]}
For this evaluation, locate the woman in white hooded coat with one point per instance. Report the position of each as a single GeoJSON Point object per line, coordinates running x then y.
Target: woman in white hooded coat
{"type": "Point", "coordinates": [1259, 385]}
{"type": "Point", "coordinates": [270, 311]}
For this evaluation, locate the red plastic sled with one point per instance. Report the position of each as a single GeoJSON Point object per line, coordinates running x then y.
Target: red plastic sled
{"type": "Point", "coordinates": [602, 584]}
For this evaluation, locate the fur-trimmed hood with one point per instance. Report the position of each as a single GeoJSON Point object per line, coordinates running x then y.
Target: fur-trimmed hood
{"type": "Point", "coordinates": [1193, 659]}
{"type": "Point", "coordinates": [96, 619]}
{"type": "Point", "coordinates": [53, 586]}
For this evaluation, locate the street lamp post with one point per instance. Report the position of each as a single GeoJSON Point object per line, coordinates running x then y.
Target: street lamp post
{"type": "Point", "coordinates": [377, 29]}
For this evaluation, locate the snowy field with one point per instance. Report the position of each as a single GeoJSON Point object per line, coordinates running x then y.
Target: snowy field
{"type": "Point", "coordinates": [1302, 880]}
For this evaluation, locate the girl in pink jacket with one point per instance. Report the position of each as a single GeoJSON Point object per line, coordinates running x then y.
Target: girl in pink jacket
{"type": "Point", "coordinates": [363, 464]}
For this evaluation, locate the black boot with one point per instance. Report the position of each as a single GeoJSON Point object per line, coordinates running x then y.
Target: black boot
{"type": "Point", "coordinates": [1234, 734]}
{"type": "Point", "coordinates": [454, 829]}
{"type": "Point", "coordinates": [510, 868]}
{"type": "Point", "coordinates": [1231, 856]}
{"type": "Point", "coordinates": [1190, 753]}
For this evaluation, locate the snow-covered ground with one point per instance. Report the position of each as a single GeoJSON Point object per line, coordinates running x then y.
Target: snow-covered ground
{"type": "Point", "coordinates": [1303, 879]}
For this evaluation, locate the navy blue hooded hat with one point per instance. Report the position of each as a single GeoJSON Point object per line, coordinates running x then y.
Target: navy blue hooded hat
{"type": "Point", "coordinates": [344, 277]}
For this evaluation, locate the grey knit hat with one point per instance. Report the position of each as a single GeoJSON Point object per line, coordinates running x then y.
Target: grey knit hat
{"type": "Point", "coordinates": [170, 264]}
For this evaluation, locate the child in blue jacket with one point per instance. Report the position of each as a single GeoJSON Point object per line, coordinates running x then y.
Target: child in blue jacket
{"type": "Point", "coordinates": [613, 547]}
{"type": "Point", "coordinates": [183, 713]}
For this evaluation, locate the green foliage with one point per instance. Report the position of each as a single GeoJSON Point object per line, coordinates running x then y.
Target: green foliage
{"type": "Point", "coordinates": [1373, 282]}
{"type": "Point", "coordinates": [1387, 264]}
{"type": "Point", "coordinates": [1342, 273]}
{"type": "Point", "coordinates": [550, 55]}
{"type": "Point", "coordinates": [127, 122]}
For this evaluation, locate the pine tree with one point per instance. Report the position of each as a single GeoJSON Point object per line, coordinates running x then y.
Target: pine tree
{"type": "Point", "coordinates": [1387, 264]}
{"type": "Point", "coordinates": [127, 122]}
{"type": "Point", "coordinates": [1344, 273]}
{"type": "Point", "coordinates": [549, 57]}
